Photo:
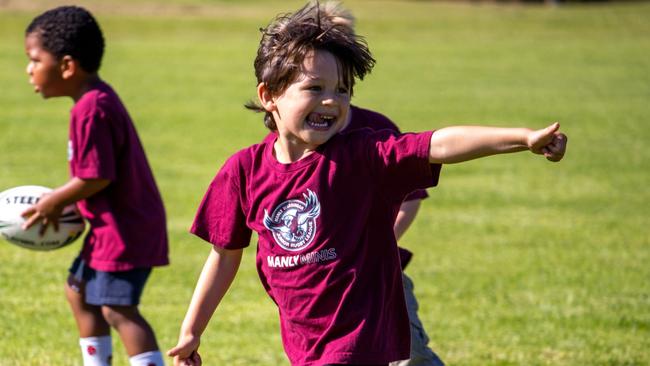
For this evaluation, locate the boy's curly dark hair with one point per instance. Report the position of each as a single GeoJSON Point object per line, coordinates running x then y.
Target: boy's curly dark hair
{"type": "Point", "coordinates": [70, 30]}
{"type": "Point", "coordinates": [291, 37]}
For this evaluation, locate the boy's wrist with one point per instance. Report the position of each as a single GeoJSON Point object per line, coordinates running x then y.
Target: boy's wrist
{"type": "Point", "coordinates": [526, 138]}
{"type": "Point", "coordinates": [190, 332]}
{"type": "Point", "coordinates": [49, 204]}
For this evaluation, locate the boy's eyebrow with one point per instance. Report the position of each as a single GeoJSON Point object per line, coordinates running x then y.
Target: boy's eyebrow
{"type": "Point", "coordinates": [308, 78]}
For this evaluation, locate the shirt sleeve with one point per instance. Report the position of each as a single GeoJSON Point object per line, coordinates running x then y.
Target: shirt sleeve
{"type": "Point", "coordinates": [419, 194]}
{"type": "Point", "coordinates": [95, 146]}
{"type": "Point", "coordinates": [220, 218]}
{"type": "Point", "coordinates": [402, 163]}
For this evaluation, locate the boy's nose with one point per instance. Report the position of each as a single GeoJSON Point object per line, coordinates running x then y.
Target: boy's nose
{"type": "Point", "coordinates": [29, 68]}
{"type": "Point", "coordinates": [329, 100]}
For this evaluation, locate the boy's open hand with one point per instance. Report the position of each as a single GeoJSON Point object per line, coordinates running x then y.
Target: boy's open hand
{"type": "Point", "coordinates": [44, 210]}
{"type": "Point", "coordinates": [548, 142]}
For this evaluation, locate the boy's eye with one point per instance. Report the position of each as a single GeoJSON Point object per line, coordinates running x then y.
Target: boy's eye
{"type": "Point", "coordinates": [343, 90]}
{"type": "Point", "coordinates": [314, 88]}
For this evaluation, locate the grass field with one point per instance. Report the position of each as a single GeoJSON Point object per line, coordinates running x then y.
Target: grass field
{"type": "Point", "coordinates": [517, 261]}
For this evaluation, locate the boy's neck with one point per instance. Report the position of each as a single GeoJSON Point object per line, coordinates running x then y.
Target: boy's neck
{"type": "Point", "coordinates": [83, 84]}
{"type": "Point", "coordinates": [286, 154]}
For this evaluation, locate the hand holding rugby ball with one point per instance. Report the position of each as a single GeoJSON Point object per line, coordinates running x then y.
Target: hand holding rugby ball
{"type": "Point", "coordinates": [14, 201]}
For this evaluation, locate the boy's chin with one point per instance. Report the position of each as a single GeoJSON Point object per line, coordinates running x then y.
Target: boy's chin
{"type": "Point", "coordinates": [321, 138]}
{"type": "Point", "coordinates": [39, 91]}
{"type": "Point", "coordinates": [48, 95]}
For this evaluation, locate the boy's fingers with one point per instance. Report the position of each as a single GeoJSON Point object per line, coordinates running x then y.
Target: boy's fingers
{"type": "Point", "coordinates": [44, 226]}
{"type": "Point", "coordinates": [561, 140]}
{"type": "Point", "coordinates": [555, 156]}
{"type": "Point", "coordinates": [173, 352]}
{"type": "Point", "coordinates": [558, 145]}
{"type": "Point", "coordinates": [28, 212]}
{"type": "Point", "coordinates": [46, 223]}
{"type": "Point", "coordinates": [179, 351]}
{"type": "Point", "coordinates": [31, 221]}
{"type": "Point", "coordinates": [553, 146]}
{"type": "Point", "coordinates": [196, 358]}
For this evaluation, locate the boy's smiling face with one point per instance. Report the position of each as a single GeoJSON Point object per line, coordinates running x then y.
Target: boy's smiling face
{"type": "Point", "coordinates": [313, 108]}
{"type": "Point", "coordinates": [44, 69]}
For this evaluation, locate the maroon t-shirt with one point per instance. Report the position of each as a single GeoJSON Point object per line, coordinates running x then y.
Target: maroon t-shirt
{"type": "Point", "coordinates": [127, 218]}
{"type": "Point", "coordinates": [364, 118]}
{"type": "Point", "coordinates": [326, 253]}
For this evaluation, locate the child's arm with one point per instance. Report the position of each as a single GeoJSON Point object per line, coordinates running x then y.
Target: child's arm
{"type": "Point", "coordinates": [49, 207]}
{"type": "Point", "coordinates": [405, 216]}
{"type": "Point", "coordinates": [218, 273]}
{"type": "Point", "coordinates": [462, 143]}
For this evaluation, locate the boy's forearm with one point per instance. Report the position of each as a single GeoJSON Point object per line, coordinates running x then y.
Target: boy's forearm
{"type": "Point", "coordinates": [462, 143]}
{"type": "Point", "coordinates": [50, 205]}
{"type": "Point", "coordinates": [77, 189]}
{"type": "Point", "coordinates": [216, 277]}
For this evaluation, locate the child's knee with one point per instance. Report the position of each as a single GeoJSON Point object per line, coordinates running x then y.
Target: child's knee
{"type": "Point", "coordinates": [118, 315]}
{"type": "Point", "coordinates": [74, 290]}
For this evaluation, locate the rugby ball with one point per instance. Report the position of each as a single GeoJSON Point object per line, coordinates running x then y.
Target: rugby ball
{"type": "Point", "coordinates": [14, 201]}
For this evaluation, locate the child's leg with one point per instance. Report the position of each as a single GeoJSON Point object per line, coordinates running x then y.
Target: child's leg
{"type": "Point", "coordinates": [136, 334]}
{"type": "Point", "coordinates": [421, 354]}
{"type": "Point", "coordinates": [94, 332]}
{"type": "Point", "coordinates": [113, 297]}
{"type": "Point", "coordinates": [119, 293]}
{"type": "Point", "coordinates": [89, 318]}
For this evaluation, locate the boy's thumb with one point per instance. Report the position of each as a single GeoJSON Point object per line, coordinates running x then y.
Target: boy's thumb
{"type": "Point", "coordinates": [173, 352]}
{"type": "Point", "coordinates": [553, 128]}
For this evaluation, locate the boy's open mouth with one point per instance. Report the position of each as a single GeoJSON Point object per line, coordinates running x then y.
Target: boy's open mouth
{"type": "Point", "coordinates": [319, 121]}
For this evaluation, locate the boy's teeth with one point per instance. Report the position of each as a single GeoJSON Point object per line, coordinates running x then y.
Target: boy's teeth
{"type": "Point", "coordinates": [320, 121]}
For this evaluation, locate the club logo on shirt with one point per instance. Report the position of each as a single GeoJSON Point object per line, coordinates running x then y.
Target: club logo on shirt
{"type": "Point", "coordinates": [293, 222]}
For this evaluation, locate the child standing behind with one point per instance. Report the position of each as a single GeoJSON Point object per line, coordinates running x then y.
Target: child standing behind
{"type": "Point", "coordinates": [324, 203]}
{"type": "Point", "coordinates": [112, 184]}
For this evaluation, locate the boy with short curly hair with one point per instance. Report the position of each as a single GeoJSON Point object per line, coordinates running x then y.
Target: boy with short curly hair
{"type": "Point", "coordinates": [111, 183]}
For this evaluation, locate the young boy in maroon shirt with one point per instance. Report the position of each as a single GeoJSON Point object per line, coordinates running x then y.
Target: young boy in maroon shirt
{"type": "Point", "coordinates": [359, 118]}
{"type": "Point", "coordinates": [111, 183]}
{"type": "Point", "coordinates": [323, 203]}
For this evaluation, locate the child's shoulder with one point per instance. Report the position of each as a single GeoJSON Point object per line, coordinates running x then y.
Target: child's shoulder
{"type": "Point", "coordinates": [361, 117]}
{"type": "Point", "coordinates": [99, 98]}
{"type": "Point", "coordinates": [248, 155]}
{"type": "Point", "coordinates": [364, 135]}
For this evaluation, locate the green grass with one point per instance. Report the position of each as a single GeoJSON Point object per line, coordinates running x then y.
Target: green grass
{"type": "Point", "coordinates": [517, 261]}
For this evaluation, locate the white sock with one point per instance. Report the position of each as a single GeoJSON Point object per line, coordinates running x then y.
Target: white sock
{"type": "Point", "coordinates": [96, 351]}
{"type": "Point", "coordinates": [152, 358]}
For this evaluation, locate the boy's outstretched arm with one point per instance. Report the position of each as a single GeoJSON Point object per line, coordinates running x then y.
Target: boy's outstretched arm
{"type": "Point", "coordinates": [461, 143]}
{"type": "Point", "coordinates": [49, 207]}
{"type": "Point", "coordinates": [218, 273]}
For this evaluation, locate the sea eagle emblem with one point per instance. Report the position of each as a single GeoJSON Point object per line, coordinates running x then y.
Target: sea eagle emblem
{"type": "Point", "coordinates": [293, 222]}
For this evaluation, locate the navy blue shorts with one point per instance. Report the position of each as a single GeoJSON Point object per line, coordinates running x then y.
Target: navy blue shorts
{"type": "Point", "coordinates": [108, 288]}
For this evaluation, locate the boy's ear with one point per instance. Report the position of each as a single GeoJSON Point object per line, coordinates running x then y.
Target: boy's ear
{"type": "Point", "coordinates": [265, 97]}
{"type": "Point", "coordinates": [69, 67]}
